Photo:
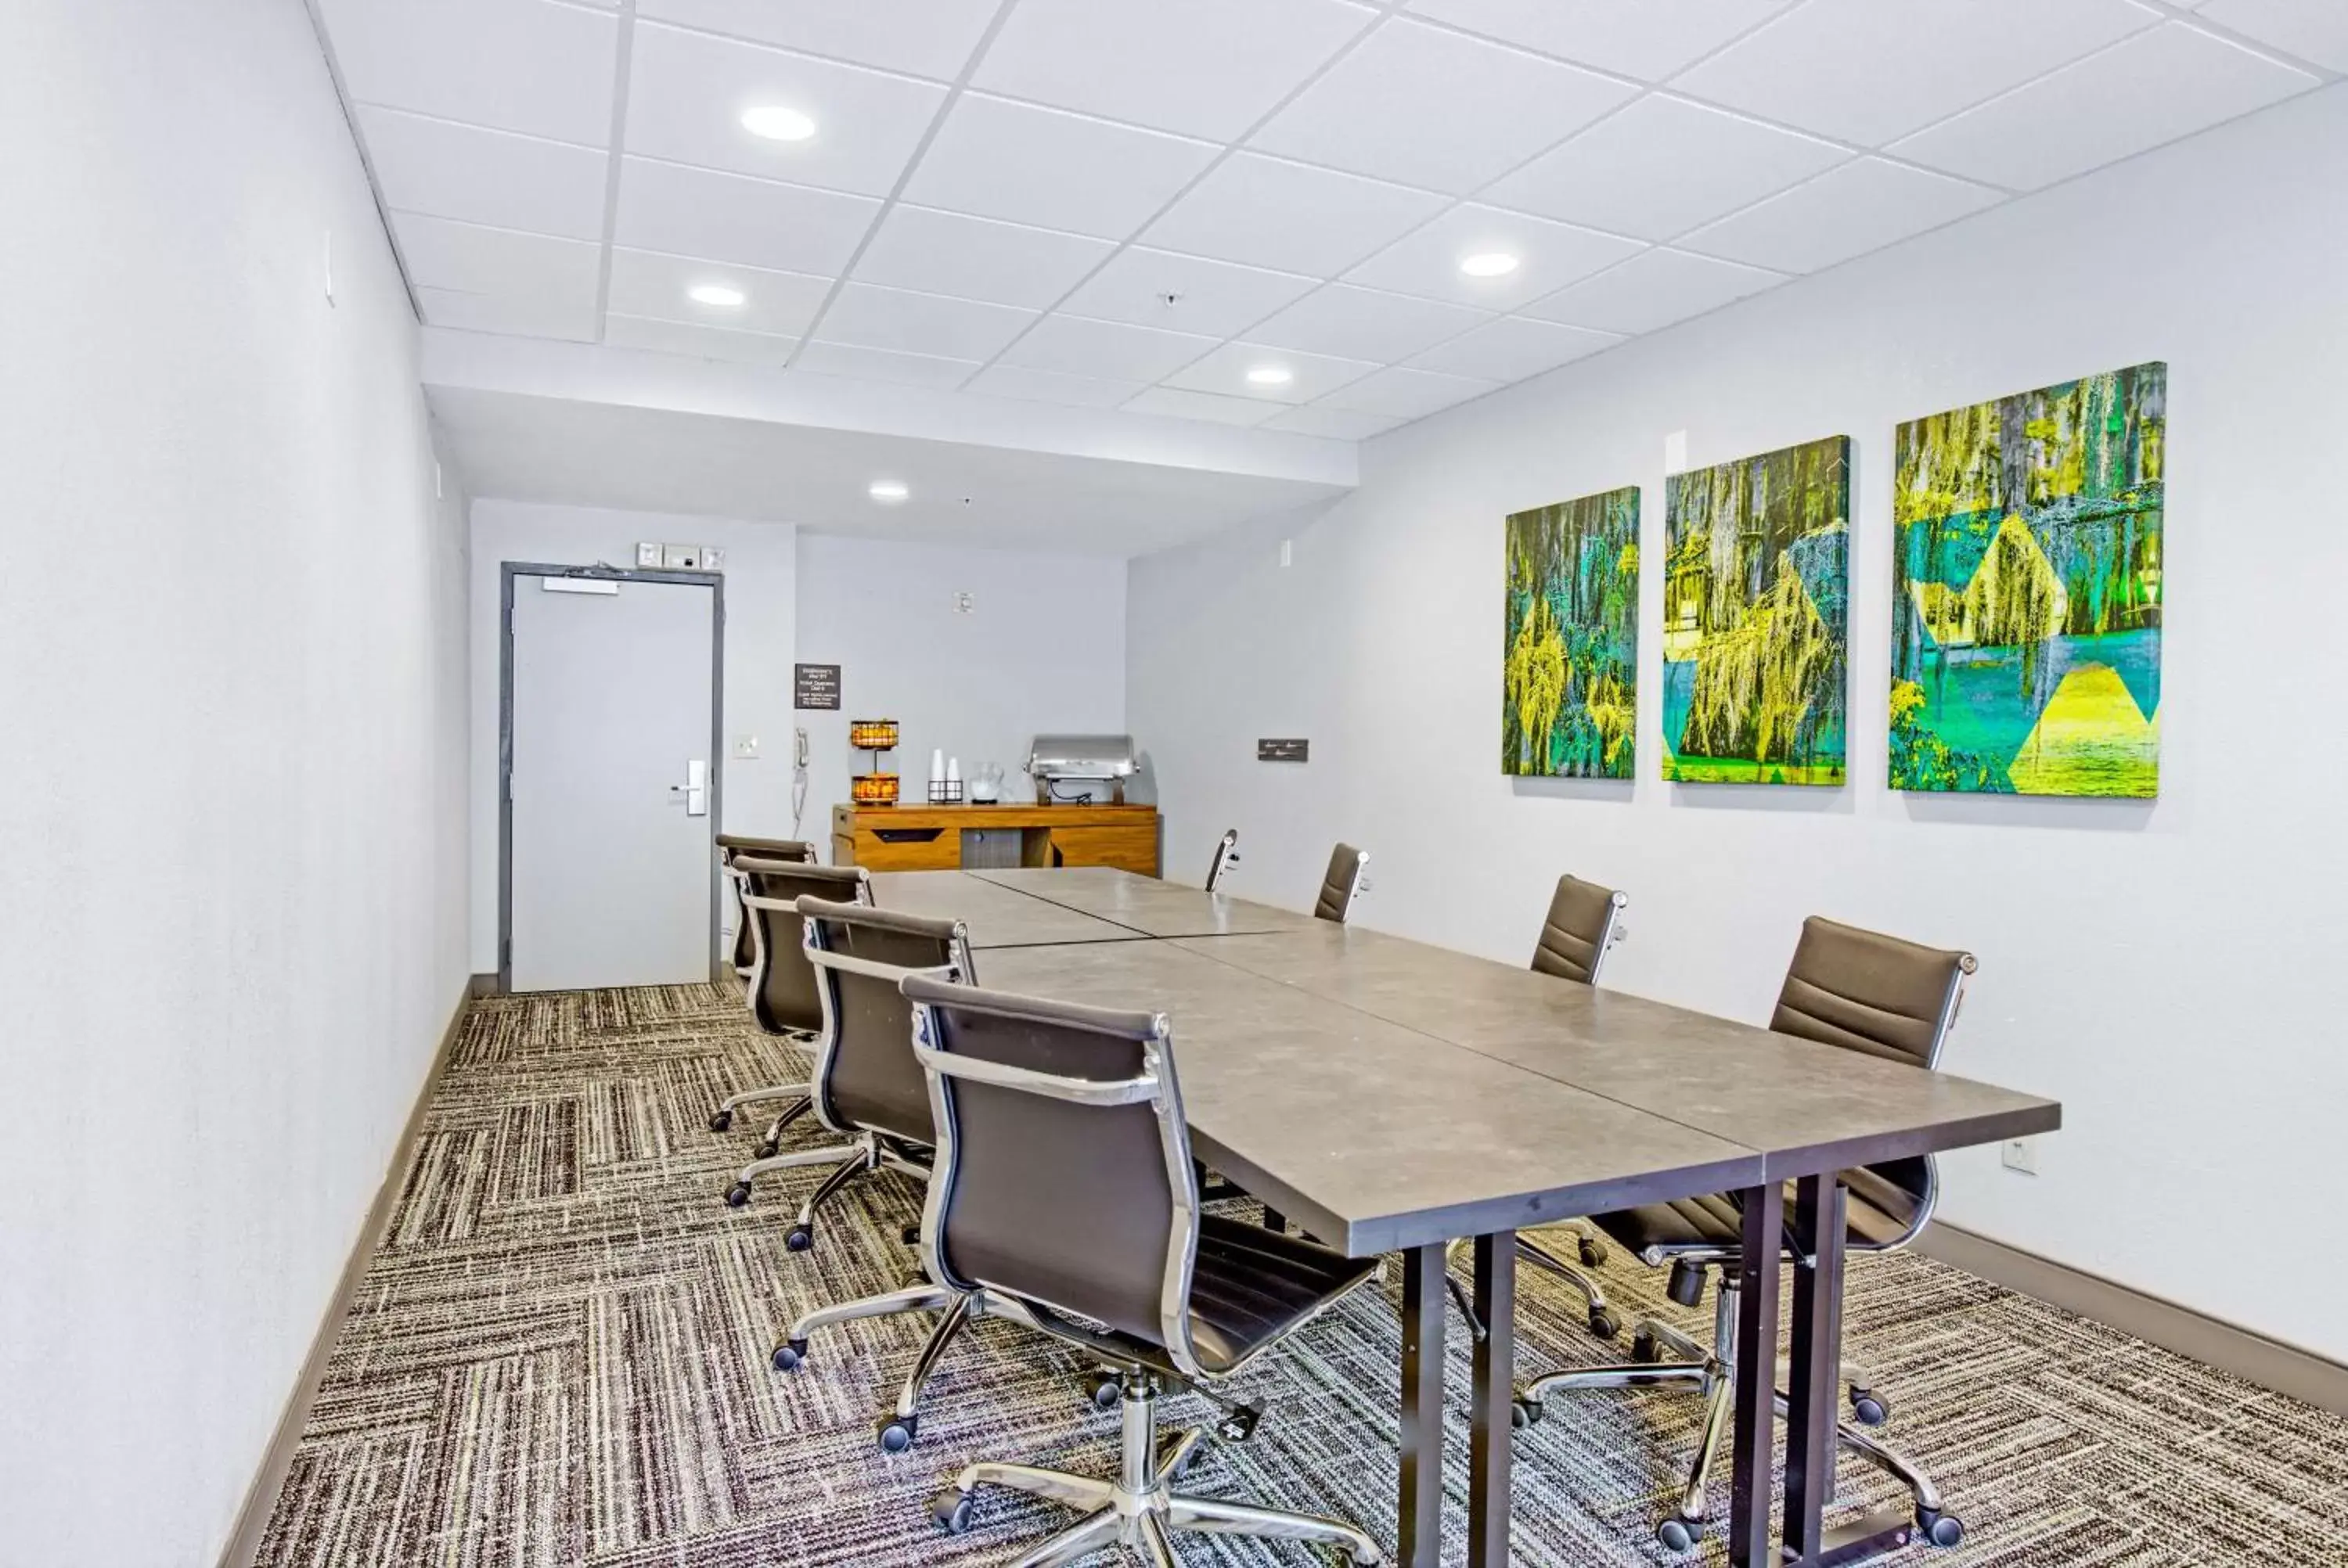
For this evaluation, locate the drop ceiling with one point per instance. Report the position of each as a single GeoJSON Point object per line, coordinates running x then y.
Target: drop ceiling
{"type": "Point", "coordinates": [1133, 204]}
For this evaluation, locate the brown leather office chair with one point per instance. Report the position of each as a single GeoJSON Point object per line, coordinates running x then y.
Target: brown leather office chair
{"type": "Point", "coordinates": [1861, 991]}
{"type": "Point", "coordinates": [782, 988]}
{"type": "Point", "coordinates": [734, 846]}
{"type": "Point", "coordinates": [1064, 1180]}
{"type": "Point", "coordinates": [1583, 923]}
{"type": "Point", "coordinates": [1340, 884]}
{"type": "Point", "coordinates": [1226, 855]}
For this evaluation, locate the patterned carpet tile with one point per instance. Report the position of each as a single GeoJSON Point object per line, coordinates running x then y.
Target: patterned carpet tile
{"type": "Point", "coordinates": [559, 1356]}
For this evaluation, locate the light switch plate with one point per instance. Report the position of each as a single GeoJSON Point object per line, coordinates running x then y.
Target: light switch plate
{"type": "Point", "coordinates": [2021, 1154]}
{"type": "Point", "coordinates": [712, 559]}
{"type": "Point", "coordinates": [1675, 452]}
{"type": "Point", "coordinates": [648, 556]}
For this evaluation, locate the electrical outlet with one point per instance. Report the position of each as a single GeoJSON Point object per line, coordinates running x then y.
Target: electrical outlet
{"type": "Point", "coordinates": [680, 558]}
{"type": "Point", "coordinates": [745, 748]}
{"type": "Point", "coordinates": [2021, 1154]}
{"type": "Point", "coordinates": [648, 556]}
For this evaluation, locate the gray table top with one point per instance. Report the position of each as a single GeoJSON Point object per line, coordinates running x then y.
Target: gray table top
{"type": "Point", "coordinates": [996, 916]}
{"type": "Point", "coordinates": [1146, 904]}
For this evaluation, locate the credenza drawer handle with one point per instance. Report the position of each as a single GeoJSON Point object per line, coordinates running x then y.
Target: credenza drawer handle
{"type": "Point", "coordinates": [907, 835]}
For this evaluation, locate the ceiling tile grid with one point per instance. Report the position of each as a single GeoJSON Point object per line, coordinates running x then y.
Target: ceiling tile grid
{"type": "Point", "coordinates": [1322, 218]}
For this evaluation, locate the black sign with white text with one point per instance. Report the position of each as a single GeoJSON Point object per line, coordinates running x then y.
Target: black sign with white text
{"type": "Point", "coordinates": [815, 686]}
{"type": "Point", "coordinates": [1288, 750]}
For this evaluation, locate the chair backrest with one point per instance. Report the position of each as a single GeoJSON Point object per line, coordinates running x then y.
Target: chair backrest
{"type": "Point", "coordinates": [1584, 922]}
{"type": "Point", "coordinates": [1887, 998]}
{"type": "Point", "coordinates": [1340, 884]}
{"type": "Point", "coordinates": [734, 847]}
{"type": "Point", "coordinates": [1226, 855]}
{"type": "Point", "coordinates": [1063, 1173]}
{"type": "Point", "coordinates": [865, 1075]}
{"type": "Point", "coordinates": [783, 993]}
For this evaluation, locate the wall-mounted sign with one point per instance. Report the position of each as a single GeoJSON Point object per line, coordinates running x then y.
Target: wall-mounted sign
{"type": "Point", "coordinates": [815, 686]}
{"type": "Point", "coordinates": [1287, 750]}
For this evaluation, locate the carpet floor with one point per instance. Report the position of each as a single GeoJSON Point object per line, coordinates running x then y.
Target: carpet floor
{"type": "Point", "coordinates": [559, 1356]}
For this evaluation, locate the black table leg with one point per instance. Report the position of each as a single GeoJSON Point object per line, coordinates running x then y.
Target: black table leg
{"type": "Point", "coordinates": [1421, 1509]}
{"type": "Point", "coordinates": [1813, 1406]}
{"type": "Point", "coordinates": [1494, 1394]}
{"type": "Point", "coordinates": [1756, 1409]}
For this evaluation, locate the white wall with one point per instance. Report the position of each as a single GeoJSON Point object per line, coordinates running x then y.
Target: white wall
{"type": "Point", "coordinates": [1041, 651]}
{"type": "Point", "coordinates": [2164, 969]}
{"type": "Point", "coordinates": [759, 571]}
{"type": "Point", "coordinates": [232, 779]}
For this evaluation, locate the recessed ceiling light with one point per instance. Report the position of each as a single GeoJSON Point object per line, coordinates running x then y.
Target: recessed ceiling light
{"type": "Point", "coordinates": [1488, 264]}
{"type": "Point", "coordinates": [715, 295]}
{"type": "Point", "coordinates": [777, 123]}
{"type": "Point", "coordinates": [889, 490]}
{"type": "Point", "coordinates": [1270, 375]}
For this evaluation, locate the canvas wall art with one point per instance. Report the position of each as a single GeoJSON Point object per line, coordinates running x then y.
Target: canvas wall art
{"type": "Point", "coordinates": [2026, 655]}
{"type": "Point", "coordinates": [1755, 619]}
{"type": "Point", "coordinates": [1570, 643]}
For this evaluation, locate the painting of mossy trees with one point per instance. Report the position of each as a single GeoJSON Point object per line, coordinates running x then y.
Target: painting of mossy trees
{"type": "Point", "coordinates": [1755, 619]}
{"type": "Point", "coordinates": [2025, 620]}
{"type": "Point", "coordinates": [1570, 642]}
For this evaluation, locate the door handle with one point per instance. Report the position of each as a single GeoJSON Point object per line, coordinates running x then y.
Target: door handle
{"type": "Point", "coordinates": [695, 788]}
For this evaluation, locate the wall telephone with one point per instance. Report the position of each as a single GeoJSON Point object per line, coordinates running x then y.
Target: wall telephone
{"type": "Point", "coordinates": [798, 778]}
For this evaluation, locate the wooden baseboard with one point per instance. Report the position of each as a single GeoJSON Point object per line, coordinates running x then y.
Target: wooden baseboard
{"type": "Point", "coordinates": [2270, 1363]}
{"type": "Point", "coordinates": [261, 1497]}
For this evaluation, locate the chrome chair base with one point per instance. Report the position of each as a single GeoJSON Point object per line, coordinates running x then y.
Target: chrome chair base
{"type": "Point", "coordinates": [871, 1152]}
{"type": "Point", "coordinates": [900, 1424]}
{"type": "Point", "coordinates": [722, 1119]}
{"type": "Point", "coordinates": [1711, 1372]}
{"type": "Point", "coordinates": [1140, 1509]}
{"type": "Point", "coordinates": [1531, 1248]}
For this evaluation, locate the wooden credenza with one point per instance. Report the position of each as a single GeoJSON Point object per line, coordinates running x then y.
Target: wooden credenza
{"type": "Point", "coordinates": [994, 837]}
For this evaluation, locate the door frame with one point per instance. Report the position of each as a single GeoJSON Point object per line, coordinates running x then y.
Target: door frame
{"type": "Point", "coordinates": [506, 572]}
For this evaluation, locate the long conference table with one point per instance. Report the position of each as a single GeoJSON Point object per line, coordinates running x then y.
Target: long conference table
{"type": "Point", "coordinates": [1392, 1096]}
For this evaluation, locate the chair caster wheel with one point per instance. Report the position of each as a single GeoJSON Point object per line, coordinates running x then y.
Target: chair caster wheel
{"type": "Point", "coordinates": [1643, 1347]}
{"type": "Point", "coordinates": [737, 1195]}
{"type": "Point", "coordinates": [911, 1235]}
{"type": "Point", "coordinates": [1103, 1389]}
{"type": "Point", "coordinates": [1868, 1408]}
{"type": "Point", "coordinates": [1594, 1253]}
{"type": "Point", "coordinates": [1238, 1423]}
{"type": "Point", "coordinates": [1524, 1412]}
{"type": "Point", "coordinates": [1603, 1323]}
{"type": "Point", "coordinates": [798, 1238]}
{"type": "Point", "coordinates": [1181, 1472]}
{"type": "Point", "coordinates": [951, 1509]}
{"type": "Point", "coordinates": [790, 1355]}
{"type": "Point", "coordinates": [1673, 1535]}
{"type": "Point", "coordinates": [766, 1150]}
{"type": "Point", "coordinates": [896, 1432]}
{"type": "Point", "coordinates": [1939, 1529]}
{"type": "Point", "coordinates": [722, 1122]}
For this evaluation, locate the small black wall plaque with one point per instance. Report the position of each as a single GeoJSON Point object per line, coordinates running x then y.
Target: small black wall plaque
{"type": "Point", "coordinates": [815, 686]}
{"type": "Point", "coordinates": [1288, 750]}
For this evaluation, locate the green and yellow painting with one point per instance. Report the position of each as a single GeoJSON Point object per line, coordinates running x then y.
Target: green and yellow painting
{"type": "Point", "coordinates": [2025, 622]}
{"type": "Point", "coordinates": [1570, 642]}
{"type": "Point", "coordinates": [1757, 604]}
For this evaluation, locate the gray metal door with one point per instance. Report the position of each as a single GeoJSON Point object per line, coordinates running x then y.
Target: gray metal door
{"type": "Point", "coordinates": [612, 783]}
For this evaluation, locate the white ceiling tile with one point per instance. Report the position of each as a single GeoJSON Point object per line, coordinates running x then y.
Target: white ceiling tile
{"type": "Point", "coordinates": [884, 364]}
{"type": "Point", "coordinates": [1184, 404]}
{"type": "Point", "coordinates": [1513, 348]}
{"type": "Point", "coordinates": [700, 341]}
{"type": "Point", "coordinates": [1204, 67]}
{"type": "Point", "coordinates": [1272, 213]}
{"type": "Point", "coordinates": [518, 315]}
{"type": "Point", "coordinates": [1433, 109]}
{"type": "Point", "coordinates": [1365, 323]}
{"type": "Point", "coordinates": [1217, 298]}
{"type": "Point", "coordinates": [2153, 88]}
{"type": "Point", "coordinates": [1661, 167]}
{"type": "Point", "coordinates": [1844, 212]}
{"type": "Point", "coordinates": [1114, 351]}
{"type": "Point", "coordinates": [1309, 375]}
{"type": "Point", "coordinates": [646, 285]}
{"type": "Point", "coordinates": [1064, 172]}
{"type": "Point", "coordinates": [529, 65]}
{"type": "Point", "coordinates": [688, 91]}
{"type": "Point", "coordinates": [1052, 386]}
{"type": "Point", "coordinates": [976, 258]}
{"type": "Point", "coordinates": [1867, 71]}
{"type": "Point", "coordinates": [1647, 41]}
{"type": "Point", "coordinates": [866, 316]}
{"type": "Point", "coordinates": [476, 259]}
{"type": "Point", "coordinates": [728, 218]}
{"type": "Point", "coordinates": [1549, 256]}
{"type": "Point", "coordinates": [1402, 394]}
{"type": "Point", "coordinates": [448, 170]}
{"type": "Point", "coordinates": [1330, 424]}
{"type": "Point", "coordinates": [2315, 30]}
{"type": "Point", "coordinates": [1653, 289]}
{"type": "Point", "coordinates": [928, 37]}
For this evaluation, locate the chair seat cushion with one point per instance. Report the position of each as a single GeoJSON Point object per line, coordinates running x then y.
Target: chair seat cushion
{"type": "Point", "coordinates": [1252, 1286]}
{"type": "Point", "coordinates": [1878, 1214]}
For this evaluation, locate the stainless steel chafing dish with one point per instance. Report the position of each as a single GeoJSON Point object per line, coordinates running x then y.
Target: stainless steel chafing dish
{"type": "Point", "coordinates": [1055, 760]}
